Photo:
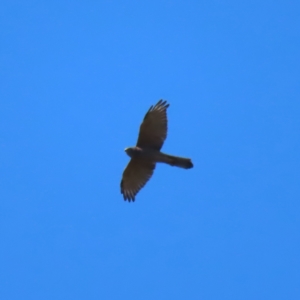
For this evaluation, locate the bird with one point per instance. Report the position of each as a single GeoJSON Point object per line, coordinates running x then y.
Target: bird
{"type": "Point", "coordinates": [146, 154]}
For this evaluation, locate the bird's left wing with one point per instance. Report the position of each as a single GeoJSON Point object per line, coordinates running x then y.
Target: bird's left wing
{"type": "Point", "coordinates": [153, 130]}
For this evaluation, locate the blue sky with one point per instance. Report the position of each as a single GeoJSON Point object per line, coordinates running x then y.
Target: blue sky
{"type": "Point", "coordinates": [77, 78]}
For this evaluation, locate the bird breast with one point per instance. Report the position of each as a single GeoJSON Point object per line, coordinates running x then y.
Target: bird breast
{"type": "Point", "coordinates": [136, 152]}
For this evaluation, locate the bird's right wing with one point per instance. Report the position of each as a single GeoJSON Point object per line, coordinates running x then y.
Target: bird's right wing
{"type": "Point", "coordinates": [135, 176]}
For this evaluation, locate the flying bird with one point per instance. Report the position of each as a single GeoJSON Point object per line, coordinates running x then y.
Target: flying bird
{"type": "Point", "coordinates": [146, 153]}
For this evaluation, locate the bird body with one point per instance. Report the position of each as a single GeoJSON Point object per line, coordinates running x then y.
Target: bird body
{"type": "Point", "coordinates": [159, 157]}
{"type": "Point", "coordinates": [146, 153]}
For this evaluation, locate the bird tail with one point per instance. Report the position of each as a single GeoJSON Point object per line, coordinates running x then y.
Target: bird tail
{"type": "Point", "coordinates": [177, 161]}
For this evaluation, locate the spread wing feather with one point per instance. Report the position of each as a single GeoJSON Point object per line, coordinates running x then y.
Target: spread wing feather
{"type": "Point", "coordinates": [153, 130]}
{"type": "Point", "coordinates": [135, 176]}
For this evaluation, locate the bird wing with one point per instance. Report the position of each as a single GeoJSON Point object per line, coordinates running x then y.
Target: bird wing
{"type": "Point", "coordinates": [153, 130]}
{"type": "Point", "coordinates": [135, 176]}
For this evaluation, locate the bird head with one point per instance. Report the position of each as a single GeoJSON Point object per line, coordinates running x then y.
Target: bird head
{"type": "Point", "coordinates": [128, 151]}
{"type": "Point", "coordinates": [132, 151]}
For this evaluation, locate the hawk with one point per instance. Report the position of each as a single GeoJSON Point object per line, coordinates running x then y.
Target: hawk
{"type": "Point", "coordinates": [146, 153]}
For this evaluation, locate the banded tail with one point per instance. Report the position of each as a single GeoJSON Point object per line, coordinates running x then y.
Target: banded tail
{"type": "Point", "coordinates": [181, 162]}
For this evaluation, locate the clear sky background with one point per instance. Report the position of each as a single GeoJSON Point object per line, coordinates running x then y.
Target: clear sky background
{"type": "Point", "coordinates": [77, 78]}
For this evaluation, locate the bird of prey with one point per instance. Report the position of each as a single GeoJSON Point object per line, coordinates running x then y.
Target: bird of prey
{"type": "Point", "coordinates": [146, 153]}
